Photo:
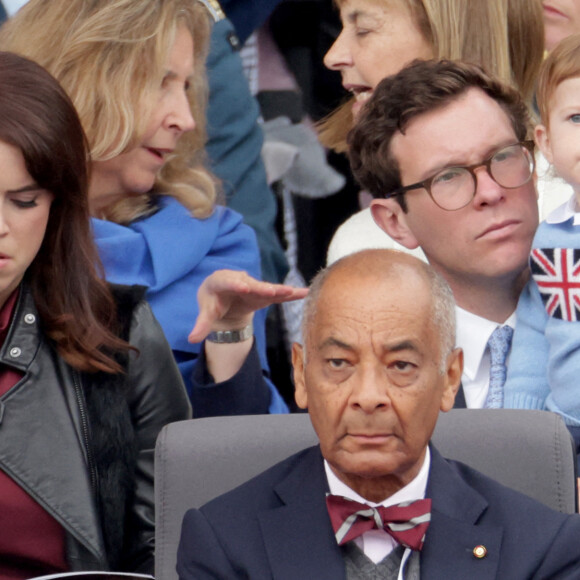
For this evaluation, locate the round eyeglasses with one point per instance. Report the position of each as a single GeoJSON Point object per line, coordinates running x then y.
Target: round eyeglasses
{"type": "Point", "coordinates": [454, 187]}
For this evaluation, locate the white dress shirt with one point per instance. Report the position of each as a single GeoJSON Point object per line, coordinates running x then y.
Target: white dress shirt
{"type": "Point", "coordinates": [376, 544]}
{"type": "Point", "coordinates": [473, 333]}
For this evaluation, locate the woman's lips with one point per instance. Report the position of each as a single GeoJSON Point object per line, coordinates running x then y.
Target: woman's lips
{"type": "Point", "coordinates": [553, 12]}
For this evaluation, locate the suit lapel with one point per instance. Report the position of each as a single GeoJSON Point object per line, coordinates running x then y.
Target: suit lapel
{"type": "Point", "coordinates": [298, 536]}
{"type": "Point", "coordinates": [300, 542]}
{"type": "Point", "coordinates": [448, 551]}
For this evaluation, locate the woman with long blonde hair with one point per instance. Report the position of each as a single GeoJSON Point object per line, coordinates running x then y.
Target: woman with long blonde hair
{"type": "Point", "coordinates": [135, 72]}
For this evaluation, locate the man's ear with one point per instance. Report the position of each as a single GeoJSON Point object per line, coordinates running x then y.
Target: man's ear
{"type": "Point", "coordinates": [300, 395]}
{"type": "Point", "coordinates": [391, 218]}
{"type": "Point", "coordinates": [452, 379]}
{"type": "Point", "coordinates": [542, 139]}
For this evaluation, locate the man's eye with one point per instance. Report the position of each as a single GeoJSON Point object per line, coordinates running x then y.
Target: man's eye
{"type": "Point", "coordinates": [505, 155]}
{"type": "Point", "coordinates": [448, 176]}
{"type": "Point", "coordinates": [402, 365]}
{"type": "Point", "coordinates": [575, 118]}
{"type": "Point", "coordinates": [336, 363]}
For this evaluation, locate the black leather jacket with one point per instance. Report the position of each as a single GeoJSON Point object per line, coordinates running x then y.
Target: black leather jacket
{"type": "Point", "coordinates": [82, 444]}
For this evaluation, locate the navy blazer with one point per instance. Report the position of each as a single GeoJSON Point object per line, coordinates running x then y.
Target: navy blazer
{"type": "Point", "coordinates": [276, 526]}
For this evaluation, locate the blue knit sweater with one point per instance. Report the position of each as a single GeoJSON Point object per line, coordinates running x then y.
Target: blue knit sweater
{"type": "Point", "coordinates": [544, 365]}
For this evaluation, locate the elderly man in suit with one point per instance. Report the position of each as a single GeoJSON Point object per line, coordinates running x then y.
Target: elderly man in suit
{"type": "Point", "coordinates": [375, 499]}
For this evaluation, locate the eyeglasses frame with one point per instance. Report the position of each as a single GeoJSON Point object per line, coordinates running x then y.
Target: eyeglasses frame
{"type": "Point", "coordinates": [426, 183]}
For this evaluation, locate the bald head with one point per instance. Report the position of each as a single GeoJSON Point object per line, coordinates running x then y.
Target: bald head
{"type": "Point", "coordinates": [377, 367]}
{"type": "Point", "coordinates": [387, 266]}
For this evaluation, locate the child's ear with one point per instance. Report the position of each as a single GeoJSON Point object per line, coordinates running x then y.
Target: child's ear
{"type": "Point", "coordinates": [543, 141]}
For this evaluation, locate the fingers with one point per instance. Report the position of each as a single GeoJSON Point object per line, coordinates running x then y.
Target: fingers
{"type": "Point", "coordinates": [224, 281]}
{"type": "Point", "coordinates": [202, 328]}
{"type": "Point", "coordinates": [227, 300]}
{"type": "Point", "coordinates": [288, 294]}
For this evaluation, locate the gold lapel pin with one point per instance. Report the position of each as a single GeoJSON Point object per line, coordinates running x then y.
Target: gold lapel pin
{"type": "Point", "coordinates": [480, 551]}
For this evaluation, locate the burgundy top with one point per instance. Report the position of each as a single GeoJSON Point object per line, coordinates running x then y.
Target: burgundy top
{"type": "Point", "coordinates": [32, 542]}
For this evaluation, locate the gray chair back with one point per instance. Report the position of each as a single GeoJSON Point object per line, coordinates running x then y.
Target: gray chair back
{"type": "Point", "coordinates": [199, 459]}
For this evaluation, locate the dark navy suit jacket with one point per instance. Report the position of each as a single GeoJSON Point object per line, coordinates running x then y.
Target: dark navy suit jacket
{"type": "Point", "coordinates": [276, 526]}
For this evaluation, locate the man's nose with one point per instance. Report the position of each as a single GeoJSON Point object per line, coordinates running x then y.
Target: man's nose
{"type": "Point", "coordinates": [370, 389]}
{"type": "Point", "coordinates": [487, 190]}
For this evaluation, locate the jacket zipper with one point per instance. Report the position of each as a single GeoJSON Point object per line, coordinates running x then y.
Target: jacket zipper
{"type": "Point", "coordinates": [85, 433]}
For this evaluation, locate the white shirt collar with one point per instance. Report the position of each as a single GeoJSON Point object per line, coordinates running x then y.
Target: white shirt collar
{"type": "Point", "coordinates": [377, 544]}
{"type": "Point", "coordinates": [564, 212]}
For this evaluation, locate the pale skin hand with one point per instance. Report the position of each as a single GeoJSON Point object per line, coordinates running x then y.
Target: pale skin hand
{"type": "Point", "coordinates": [227, 301]}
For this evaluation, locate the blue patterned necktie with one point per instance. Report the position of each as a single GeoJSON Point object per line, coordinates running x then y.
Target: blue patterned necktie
{"type": "Point", "coordinates": [499, 346]}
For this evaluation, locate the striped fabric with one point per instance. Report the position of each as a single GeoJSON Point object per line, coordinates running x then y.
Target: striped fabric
{"type": "Point", "coordinates": [406, 522]}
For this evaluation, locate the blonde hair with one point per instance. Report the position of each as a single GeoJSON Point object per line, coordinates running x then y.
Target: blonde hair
{"type": "Point", "coordinates": [109, 55]}
{"type": "Point", "coordinates": [505, 37]}
{"type": "Point", "coordinates": [563, 63]}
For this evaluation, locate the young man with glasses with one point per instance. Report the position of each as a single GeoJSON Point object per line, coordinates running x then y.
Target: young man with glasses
{"type": "Point", "coordinates": [442, 147]}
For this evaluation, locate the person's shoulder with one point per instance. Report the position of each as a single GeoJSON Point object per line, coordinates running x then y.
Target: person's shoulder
{"type": "Point", "coordinates": [127, 296]}
{"type": "Point", "coordinates": [257, 493]}
{"type": "Point", "coordinates": [531, 540]}
{"type": "Point", "coordinates": [508, 505]}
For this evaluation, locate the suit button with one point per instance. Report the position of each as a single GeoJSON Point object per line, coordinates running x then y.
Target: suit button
{"type": "Point", "coordinates": [480, 551]}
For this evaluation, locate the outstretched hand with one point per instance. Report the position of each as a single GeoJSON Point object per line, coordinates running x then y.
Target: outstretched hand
{"type": "Point", "coordinates": [228, 299]}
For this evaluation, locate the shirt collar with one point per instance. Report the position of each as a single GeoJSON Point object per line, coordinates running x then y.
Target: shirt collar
{"type": "Point", "coordinates": [415, 489]}
{"type": "Point", "coordinates": [473, 333]}
{"type": "Point", "coordinates": [564, 212]}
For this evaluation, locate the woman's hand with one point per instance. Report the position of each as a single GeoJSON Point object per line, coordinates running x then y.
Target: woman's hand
{"type": "Point", "coordinates": [228, 299]}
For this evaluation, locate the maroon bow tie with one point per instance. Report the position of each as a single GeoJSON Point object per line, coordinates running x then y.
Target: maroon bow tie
{"type": "Point", "coordinates": [406, 522]}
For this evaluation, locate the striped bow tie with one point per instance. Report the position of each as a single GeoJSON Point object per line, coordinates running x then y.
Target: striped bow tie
{"type": "Point", "coordinates": [406, 522]}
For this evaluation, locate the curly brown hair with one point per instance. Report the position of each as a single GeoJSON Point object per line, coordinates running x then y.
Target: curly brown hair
{"type": "Point", "coordinates": [419, 88]}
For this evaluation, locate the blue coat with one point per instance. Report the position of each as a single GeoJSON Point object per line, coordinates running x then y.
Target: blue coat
{"type": "Point", "coordinates": [171, 253]}
{"type": "Point", "coordinates": [276, 526]}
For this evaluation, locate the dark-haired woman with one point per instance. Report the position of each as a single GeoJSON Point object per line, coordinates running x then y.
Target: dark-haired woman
{"type": "Point", "coordinates": [87, 378]}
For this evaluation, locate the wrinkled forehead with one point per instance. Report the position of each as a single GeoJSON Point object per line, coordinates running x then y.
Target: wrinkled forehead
{"type": "Point", "coordinates": [367, 299]}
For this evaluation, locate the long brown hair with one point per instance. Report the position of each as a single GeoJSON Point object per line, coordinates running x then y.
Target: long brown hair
{"type": "Point", "coordinates": [419, 88]}
{"type": "Point", "coordinates": [75, 305]}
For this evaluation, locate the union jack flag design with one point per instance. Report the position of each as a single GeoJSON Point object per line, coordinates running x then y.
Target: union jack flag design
{"type": "Point", "coordinates": [556, 271]}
